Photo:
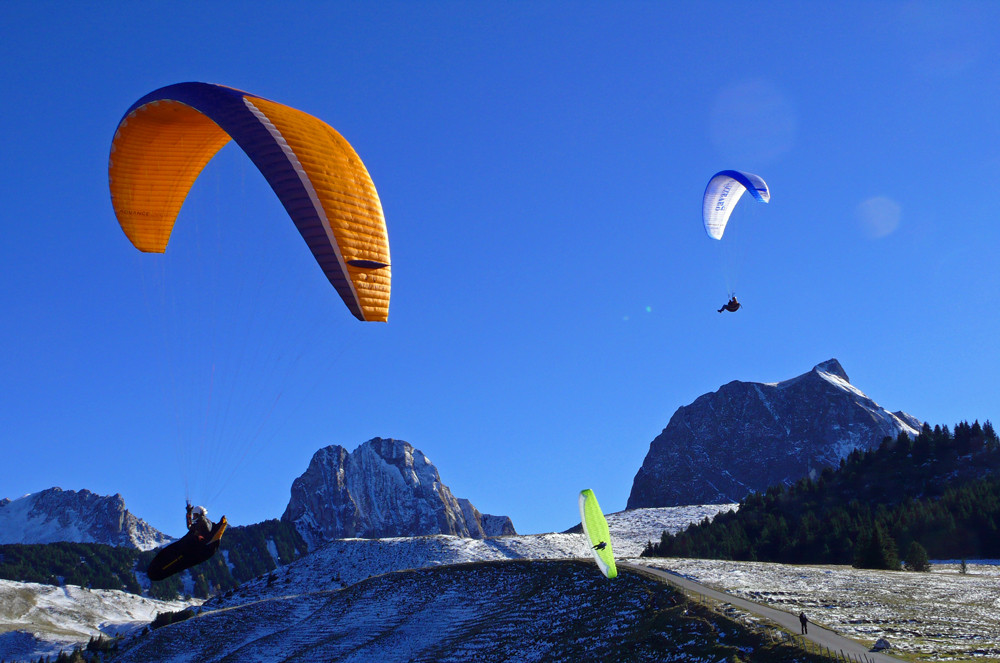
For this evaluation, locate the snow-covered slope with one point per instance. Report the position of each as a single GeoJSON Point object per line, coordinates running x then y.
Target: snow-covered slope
{"type": "Point", "coordinates": [557, 610]}
{"type": "Point", "coordinates": [512, 611]}
{"type": "Point", "coordinates": [344, 562]}
{"type": "Point", "coordinates": [339, 564]}
{"type": "Point", "coordinates": [77, 516]}
{"type": "Point", "coordinates": [632, 529]}
{"type": "Point", "coordinates": [943, 615]}
{"type": "Point", "coordinates": [40, 620]}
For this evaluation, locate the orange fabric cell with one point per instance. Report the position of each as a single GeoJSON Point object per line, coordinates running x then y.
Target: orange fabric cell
{"type": "Point", "coordinates": [156, 155]}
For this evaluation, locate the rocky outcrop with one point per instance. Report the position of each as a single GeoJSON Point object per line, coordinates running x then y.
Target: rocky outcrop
{"type": "Point", "coordinates": [750, 435]}
{"type": "Point", "coordinates": [77, 516]}
{"type": "Point", "coordinates": [384, 488]}
{"type": "Point", "coordinates": [490, 525]}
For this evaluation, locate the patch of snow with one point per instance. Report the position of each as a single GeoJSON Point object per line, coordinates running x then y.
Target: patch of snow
{"type": "Point", "coordinates": [60, 618]}
{"type": "Point", "coordinates": [767, 403]}
{"type": "Point", "coordinates": [229, 565]}
{"type": "Point", "coordinates": [841, 383]}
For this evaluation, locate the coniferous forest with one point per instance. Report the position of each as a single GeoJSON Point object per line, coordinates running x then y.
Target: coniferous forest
{"type": "Point", "coordinates": [935, 496]}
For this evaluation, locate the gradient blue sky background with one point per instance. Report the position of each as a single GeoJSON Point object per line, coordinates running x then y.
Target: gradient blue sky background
{"type": "Point", "coordinates": [541, 167]}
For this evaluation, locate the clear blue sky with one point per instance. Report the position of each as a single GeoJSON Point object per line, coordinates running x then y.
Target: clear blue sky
{"type": "Point", "coordinates": [541, 167]}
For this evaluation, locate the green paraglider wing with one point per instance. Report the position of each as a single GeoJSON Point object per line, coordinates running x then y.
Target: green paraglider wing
{"type": "Point", "coordinates": [595, 526]}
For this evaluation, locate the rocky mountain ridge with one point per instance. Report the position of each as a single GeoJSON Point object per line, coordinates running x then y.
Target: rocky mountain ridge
{"type": "Point", "coordinates": [81, 516]}
{"type": "Point", "coordinates": [750, 435]}
{"type": "Point", "coordinates": [384, 488]}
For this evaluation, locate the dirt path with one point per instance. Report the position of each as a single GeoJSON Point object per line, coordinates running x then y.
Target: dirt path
{"type": "Point", "coordinates": [817, 634]}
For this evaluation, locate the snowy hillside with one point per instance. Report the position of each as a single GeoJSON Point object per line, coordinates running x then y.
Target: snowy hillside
{"type": "Point", "coordinates": [338, 564]}
{"type": "Point", "coordinates": [510, 611]}
{"type": "Point", "coordinates": [346, 561]}
{"type": "Point", "coordinates": [941, 615]}
{"type": "Point", "coordinates": [37, 620]}
{"type": "Point", "coordinates": [474, 609]}
{"type": "Point", "coordinates": [81, 516]}
{"type": "Point", "coordinates": [630, 530]}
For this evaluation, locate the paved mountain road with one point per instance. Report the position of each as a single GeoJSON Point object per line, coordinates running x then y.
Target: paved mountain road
{"type": "Point", "coordinates": [817, 634]}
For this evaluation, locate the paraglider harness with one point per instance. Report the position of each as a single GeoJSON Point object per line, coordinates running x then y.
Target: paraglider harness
{"type": "Point", "coordinates": [732, 306]}
{"type": "Point", "coordinates": [198, 545]}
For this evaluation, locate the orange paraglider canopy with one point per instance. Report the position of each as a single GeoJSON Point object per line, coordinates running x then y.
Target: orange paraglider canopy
{"type": "Point", "coordinates": [167, 137]}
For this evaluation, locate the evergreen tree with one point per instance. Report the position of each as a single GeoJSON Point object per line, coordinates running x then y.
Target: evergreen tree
{"type": "Point", "coordinates": [926, 491]}
{"type": "Point", "coordinates": [875, 550]}
{"type": "Point", "coordinates": [916, 558]}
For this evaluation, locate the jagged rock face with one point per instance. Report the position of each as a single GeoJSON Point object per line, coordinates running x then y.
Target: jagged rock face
{"type": "Point", "coordinates": [749, 435]}
{"type": "Point", "coordinates": [82, 517]}
{"type": "Point", "coordinates": [498, 525]}
{"type": "Point", "coordinates": [383, 488]}
{"type": "Point", "coordinates": [490, 525]}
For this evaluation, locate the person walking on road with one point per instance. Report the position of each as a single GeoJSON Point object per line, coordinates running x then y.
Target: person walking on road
{"type": "Point", "coordinates": [805, 622]}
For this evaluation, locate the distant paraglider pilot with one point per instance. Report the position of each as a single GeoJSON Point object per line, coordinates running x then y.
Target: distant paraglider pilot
{"type": "Point", "coordinates": [198, 523]}
{"type": "Point", "coordinates": [601, 546]}
{"type": "Point", "coordinates": [732, 306]}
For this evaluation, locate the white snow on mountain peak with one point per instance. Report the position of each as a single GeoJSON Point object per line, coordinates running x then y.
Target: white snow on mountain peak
{"type": "Point", "coordinates": [834, 374]}
{"type": "Point", "coordinates": [55, 515]}
{"type": "Point", "coordinates": [841, 383]}
{"type": "Point", "coordinates": [892, 419]}
{"type": "Point", "coordinates": [748, 436]}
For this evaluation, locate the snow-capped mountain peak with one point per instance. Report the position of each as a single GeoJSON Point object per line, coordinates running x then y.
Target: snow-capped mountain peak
{"type": "Point", "coordinates": [77, 516]}
{"type": "Point", "coordinates": [748, 436]}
